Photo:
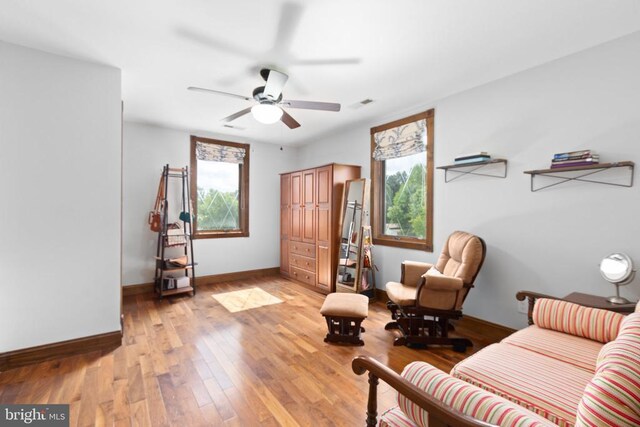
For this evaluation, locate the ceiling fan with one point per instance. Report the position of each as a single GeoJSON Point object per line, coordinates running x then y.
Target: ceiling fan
{"type": "Point", "coordinates": [269, 97]}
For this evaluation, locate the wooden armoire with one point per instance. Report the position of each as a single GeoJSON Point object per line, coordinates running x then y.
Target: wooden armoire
{"type": "Point", "coordinates": [310, 209]}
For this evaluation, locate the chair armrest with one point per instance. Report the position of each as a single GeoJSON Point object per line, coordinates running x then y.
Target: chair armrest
{"type": "Point", "coordinates": [442, 283]}
{"type": "Point", "coordinates": [440, 414]}
{"type": "Point", "coordinates": [412, 272]}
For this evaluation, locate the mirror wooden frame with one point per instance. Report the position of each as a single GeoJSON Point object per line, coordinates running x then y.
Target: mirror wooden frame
{"type": "Point", "coordinates": [358, 218]}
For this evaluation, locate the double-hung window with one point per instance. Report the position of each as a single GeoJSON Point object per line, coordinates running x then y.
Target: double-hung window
{"type": "Point", "coordinates": [402, 176]}
{"type": "Point", "coordinates": [220, 188]}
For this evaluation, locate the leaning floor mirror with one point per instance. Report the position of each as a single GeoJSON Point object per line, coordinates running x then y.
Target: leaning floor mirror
{"type": "Point", "coordinates": [353, 245]}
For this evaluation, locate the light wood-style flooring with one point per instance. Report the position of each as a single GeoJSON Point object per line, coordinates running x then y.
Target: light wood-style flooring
{"type": "Point", "coordinates": [187, 361]}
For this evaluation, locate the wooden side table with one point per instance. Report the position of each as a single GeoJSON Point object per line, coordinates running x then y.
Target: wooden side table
{"type": "Point", "coordinates": [599, 302]}
{"type": "Point", "coordinates": [586, 300]}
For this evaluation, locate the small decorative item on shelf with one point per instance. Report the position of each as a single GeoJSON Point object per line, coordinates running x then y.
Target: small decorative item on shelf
{"type": "Point", "coordinates": [574, 158]}
{"type": "Point", "coordinates": [480, 156]}
{"type": "Point", "coordinates": [479, 163]}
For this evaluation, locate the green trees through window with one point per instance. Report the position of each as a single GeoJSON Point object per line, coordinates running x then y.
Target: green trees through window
{"type": "Point", "coordinates": [404, 200]}
{"type": "Point", "coordinates": [217, 210]}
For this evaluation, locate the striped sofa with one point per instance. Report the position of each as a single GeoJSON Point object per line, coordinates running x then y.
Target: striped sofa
{"type": "Point", "coordinates": [575, 366]}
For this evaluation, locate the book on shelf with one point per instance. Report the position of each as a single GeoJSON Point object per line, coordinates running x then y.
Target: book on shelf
{"type": "Point", "coordinates": [572, 164]}
{"type": "Point", "coordinates": [467, 156]}
{"type": "Point", "coordinates": [593, 159]}
{"type": "Point", "coordinates": [471, 160]}
{"type": "Point", "coordinates": [567, 154]}
{"type": "Point", "coordinates": [579, 157]}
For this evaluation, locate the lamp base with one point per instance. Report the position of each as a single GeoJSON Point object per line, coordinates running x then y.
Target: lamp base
{"type": "Point", "coordinates": [618, 300]}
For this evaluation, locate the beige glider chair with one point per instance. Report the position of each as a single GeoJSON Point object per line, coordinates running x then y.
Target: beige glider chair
{"type": "Point", "coordinates": [428, 296]}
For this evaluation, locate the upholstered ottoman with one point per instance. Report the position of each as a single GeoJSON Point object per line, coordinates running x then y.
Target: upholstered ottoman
{"type": "Point", "coordinates": [344, 314]}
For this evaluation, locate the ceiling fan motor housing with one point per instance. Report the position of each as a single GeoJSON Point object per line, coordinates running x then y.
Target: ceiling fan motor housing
{"type": "Point", "coordinates": [258, 95]}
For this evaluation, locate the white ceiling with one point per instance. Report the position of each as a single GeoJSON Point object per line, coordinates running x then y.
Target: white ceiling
{"type": "Point", "coordinates": [401, 54]}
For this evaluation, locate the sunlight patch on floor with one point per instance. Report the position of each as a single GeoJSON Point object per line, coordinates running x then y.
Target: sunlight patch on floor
{"type": "Point", "coordinates": [245, 299]}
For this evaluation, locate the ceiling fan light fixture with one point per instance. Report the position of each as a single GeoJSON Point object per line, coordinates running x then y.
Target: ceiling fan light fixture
{"type": "Point", "coordinates": [266, 113]}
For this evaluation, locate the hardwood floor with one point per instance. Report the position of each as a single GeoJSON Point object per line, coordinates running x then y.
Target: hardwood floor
{"type": "Point", "coordinates": [188, 361]}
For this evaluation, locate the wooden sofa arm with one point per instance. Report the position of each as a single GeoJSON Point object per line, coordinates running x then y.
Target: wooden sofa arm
{"type": "Point", "coordinates": [440, 415]}
{"type": "Point", "coordinates": [532, 297]}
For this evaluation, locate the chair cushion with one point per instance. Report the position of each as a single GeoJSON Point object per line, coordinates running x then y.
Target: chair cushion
{"type": "Point", "coordinates": [544, 385]}
{"type": "Point", "coordinates": [394, 417]}
{"type": "Point", "coordinates": [465, 398]}
{"type": "Point", "coordinates": [345, 305]}
{"type": "Point", "coordinates": [461, 256]}
{"type": "Point", "coordinates": [401, 294]}
{"type": "Point", "coordinates": [612, 397]}
{"type": "Point", "coordinates": [596, 324]}
{"type": "Point", "coordinates": [578, 351]}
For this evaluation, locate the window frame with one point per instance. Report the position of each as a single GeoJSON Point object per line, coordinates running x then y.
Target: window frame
{"type": "Point", "coordinates": [243, 187]}
{"type": "Point", "coordinates": [377, 189]}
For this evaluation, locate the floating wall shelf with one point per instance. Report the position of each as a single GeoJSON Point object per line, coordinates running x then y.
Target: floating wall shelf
{"type": "Point", "coordinates": [471, 168]}
{"type": "Point", "coordinates": [560, 174]}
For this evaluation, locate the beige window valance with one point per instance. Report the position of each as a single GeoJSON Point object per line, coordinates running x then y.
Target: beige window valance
{"type": "Point", "coordinates": [219, 153]}
{"type": "Point", "coordinates": [404, 140]}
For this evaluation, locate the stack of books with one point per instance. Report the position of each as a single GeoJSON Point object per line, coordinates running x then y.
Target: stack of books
{"type": "Point", "coordinates": [480, 156]}
{"type": "Point", "coordinates": [574, 158]}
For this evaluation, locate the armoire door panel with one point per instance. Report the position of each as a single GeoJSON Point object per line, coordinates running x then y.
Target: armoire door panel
{"type": "Point", "coordinates": [285, 222]}
{"type": "Point", "coordinates": [296, 189]}
{"type": "Point", "coordinates": [323, 270]}
{"type": "Point", "coordinates": [309, 183]}
{"type": "Point", "coordinates": [308, 225]}
{"type": "Point", "coordinates": [323, 177]}
{"type": "Point", "coordinates": [324, 226]}
{"type": "Point", "coordinates": [285, 190]}
{"type": "Point", "coordinates": [284, 257]}
{"type": "Point", "coordinates": [295, 233]}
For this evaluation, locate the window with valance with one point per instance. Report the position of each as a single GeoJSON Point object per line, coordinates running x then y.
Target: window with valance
{"type": "Point", "coordinates": [220, 188]}
{"type": "Point", "coordinates": [402, 178]}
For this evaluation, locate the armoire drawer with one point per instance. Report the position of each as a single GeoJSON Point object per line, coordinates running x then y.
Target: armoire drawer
{"type": "Point", "coordinates": [303, 262]}
{"type": "Point", "coordinates": [305, 249]}
{"type": "Point", "coordinates": [303, 276]}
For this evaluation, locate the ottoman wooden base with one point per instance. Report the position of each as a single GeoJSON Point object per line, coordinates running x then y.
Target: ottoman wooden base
{"type": "Point", "coordinates": [344, 313]}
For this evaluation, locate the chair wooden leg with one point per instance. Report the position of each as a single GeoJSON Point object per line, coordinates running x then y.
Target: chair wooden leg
{"type": "Point", "coordinates": [391, 325]}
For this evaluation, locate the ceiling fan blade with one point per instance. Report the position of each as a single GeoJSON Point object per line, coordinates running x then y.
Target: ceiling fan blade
{"type": "Point", "coordinates": [236, 115]}
{"type": "Point", "coordinates": [213, 43]}
{"type": "Point", "coordinates": [275, 83]}
{"type": "Point", "coordinates": [217, 92]}
{"type": "Point", "coordinates": [311, 105]}
{"type": "Point", "coordinates": [327, 61]}
{"type": "Point", "coordinates": [289, 20]}
{"type": "Point", "coordinates": [289, 121]}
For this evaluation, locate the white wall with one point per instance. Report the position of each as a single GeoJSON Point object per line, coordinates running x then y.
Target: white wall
{"type": "Point", "coordinates": [146, 149]}
{"type": "Point", "coordinates": [60, 172]}
{"type": "Point", "coordinates": [549, 241]}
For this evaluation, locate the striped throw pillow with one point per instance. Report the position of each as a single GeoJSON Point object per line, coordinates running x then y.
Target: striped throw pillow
{"type": "Point", "coordinates": [612, 398]}
{"type": "Point", "coordinates": [464, 397]}
{"type": "Point", "coordinates": [574, 319]}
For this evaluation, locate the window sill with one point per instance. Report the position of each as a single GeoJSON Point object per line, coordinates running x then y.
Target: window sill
{"type": "Point", "coordinates": [219, 234]}
{"type": "Point", "coordinates": [406, 243]}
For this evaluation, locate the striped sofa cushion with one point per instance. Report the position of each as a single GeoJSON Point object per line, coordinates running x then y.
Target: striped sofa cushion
{"type": "Point", "coordinates": [549, 387]}
{"type": "Point", "coordinates": [578, 351]}
{"type": "Point", "coordinates": [612, 397]}
{"type": "Point", "coordinates": [466, 398]}
{"type": "Point", "coordinates": [574, 319]}
{"type": "Point", "coordinates": [394, 417]}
